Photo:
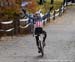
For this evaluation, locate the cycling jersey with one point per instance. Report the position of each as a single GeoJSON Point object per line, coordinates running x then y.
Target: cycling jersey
{"type": "Point", "coordinates": [38, 24]}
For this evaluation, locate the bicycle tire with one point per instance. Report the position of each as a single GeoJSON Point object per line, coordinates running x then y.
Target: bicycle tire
{"type": "Point", "coordinates": [41, 48]}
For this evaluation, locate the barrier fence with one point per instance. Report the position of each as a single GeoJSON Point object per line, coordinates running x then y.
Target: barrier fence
{"type": "Point", "coordinates": [15, 27]}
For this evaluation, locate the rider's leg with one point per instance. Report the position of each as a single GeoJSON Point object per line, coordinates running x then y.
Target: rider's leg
{"type": "Point", "coordinates": [37, 38]}
{"type": "Point", "coordinates": [44, 38]}
{"type": "Point", "coordinates": [37, 32]}
{"type": "Point", "coordinates": [37, 43]}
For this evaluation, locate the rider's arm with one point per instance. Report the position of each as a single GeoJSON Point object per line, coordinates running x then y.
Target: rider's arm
{"type": "Point", "coordinates": [47, 14]}
{"type": "Point", "coordinates": [24, 11]}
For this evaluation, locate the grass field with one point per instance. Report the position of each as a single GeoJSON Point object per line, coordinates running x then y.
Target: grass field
{"type": "Point", "coordinates": [47, 5]}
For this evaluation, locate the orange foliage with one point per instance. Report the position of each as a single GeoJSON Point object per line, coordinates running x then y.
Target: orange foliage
{"type": "Point", "coordinates": [9, 11]}
{"type": "Point", "coordinates": [32, 6]}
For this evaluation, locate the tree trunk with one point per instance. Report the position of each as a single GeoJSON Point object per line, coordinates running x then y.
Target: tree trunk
{"type": "Point", "coordinates": [52, 1]}
{"type": "Point", "coordinates": [41, 2]}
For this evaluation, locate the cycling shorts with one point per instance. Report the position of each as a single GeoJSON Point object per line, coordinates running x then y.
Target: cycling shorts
{"type": "Point", "coordinates": [38, 30]}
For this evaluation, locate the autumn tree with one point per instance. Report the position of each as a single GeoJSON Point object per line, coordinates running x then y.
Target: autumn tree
{"type": "Point", "coordinates": [9, 11]}
{"type": "Point", "coordinates": [32, 6]}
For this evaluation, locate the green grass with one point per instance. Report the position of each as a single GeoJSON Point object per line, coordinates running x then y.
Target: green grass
{"type": "Point", "coordinates": [47, 5]}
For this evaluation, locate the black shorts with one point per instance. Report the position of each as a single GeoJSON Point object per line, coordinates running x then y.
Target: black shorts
{"type": "Point", "coordinates": [38, 30]}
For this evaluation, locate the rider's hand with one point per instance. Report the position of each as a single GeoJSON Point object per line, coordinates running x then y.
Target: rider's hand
{"type": "Point", "coordinates": [24, 11]}
{"type": "Point", "coordinates": [51, 8]}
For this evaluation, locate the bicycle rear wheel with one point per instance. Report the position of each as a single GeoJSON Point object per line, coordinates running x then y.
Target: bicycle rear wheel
{"type": "Point", "coordinates": [41, 48]}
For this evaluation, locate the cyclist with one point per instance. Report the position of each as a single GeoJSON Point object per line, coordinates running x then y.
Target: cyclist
{"type": "Point", "coordinates": [38, 26]}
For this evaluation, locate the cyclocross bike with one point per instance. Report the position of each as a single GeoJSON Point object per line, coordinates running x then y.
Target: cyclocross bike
{"type": "Point", "coordinates": [41, 47]}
